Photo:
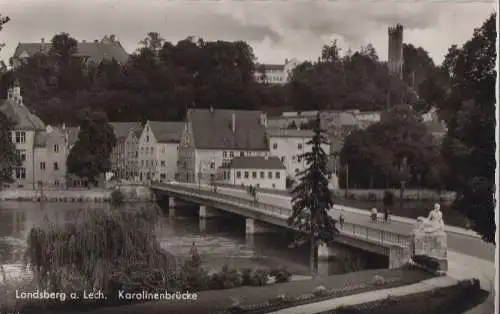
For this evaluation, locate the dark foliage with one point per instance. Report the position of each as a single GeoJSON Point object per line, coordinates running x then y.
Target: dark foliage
{"type": "Point", "coordinates": [311, 198]}
{"type": "Point", "coordinates": [8, 156]}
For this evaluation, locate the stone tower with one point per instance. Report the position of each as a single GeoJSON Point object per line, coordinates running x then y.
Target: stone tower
{"type": "Point", "coordinates": [395, 56]}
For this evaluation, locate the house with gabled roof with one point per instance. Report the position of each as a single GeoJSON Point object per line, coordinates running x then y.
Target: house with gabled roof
{"type": "Point", "coordinates": [266, 172]}
{"type": "Point", "coordinates": [42, 149]}
{"type": "Point", "coordinates": [108, 48]}
{"type": "Point", "coordinates": [213, 136]}
{"type": "Point", "coordinates": [124, 155]}
{"type": "Point", "coordinates": [158, 150]}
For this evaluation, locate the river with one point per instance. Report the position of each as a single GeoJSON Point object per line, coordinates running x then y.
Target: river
{"type": "Point", "coordinates": [219, 241]}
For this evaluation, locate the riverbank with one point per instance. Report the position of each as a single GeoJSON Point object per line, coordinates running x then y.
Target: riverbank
{"type": "Point", "coordinates": [77, 195]}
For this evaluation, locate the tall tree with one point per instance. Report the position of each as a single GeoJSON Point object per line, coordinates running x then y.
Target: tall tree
{"type": "Point", "coordinates": [3, 20]}
{"type": "Point", "coordinates": [469, 147]}
{"type": "Point", "coordinates": [397, 149]}
{"type": "Point", "coordinates": [8, 156]}
{"type": "Point", "coordinates": [312, 200]}
{"type": "Point", "coordinates": [89, 157]}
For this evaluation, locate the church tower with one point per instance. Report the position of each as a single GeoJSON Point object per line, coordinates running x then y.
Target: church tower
{"type": "Point", "coordinates": [395, 55]}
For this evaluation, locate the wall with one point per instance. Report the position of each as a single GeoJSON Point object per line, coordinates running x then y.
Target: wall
{"type": "Point", "coordinates": [258, 181]}
{"type": "Point", "coordinates": [27, 146]}
{"type": "Point", "coordinates": [167, 156]}
{"type": "Point", "coordinates": [147, 154]}
{"type": "Point", "coordinates": [207, 161]}
{"type": "Point", "coordinates": [287, 149]}
{"type": "Point", "coordinates": [131, 156]}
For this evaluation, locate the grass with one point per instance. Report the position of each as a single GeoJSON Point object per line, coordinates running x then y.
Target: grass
{"type": "Point", "coordinates": [219, 301]}
{"type": "Point", "coordinates": [456, 299]}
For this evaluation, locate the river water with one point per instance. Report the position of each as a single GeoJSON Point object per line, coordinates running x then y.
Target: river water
{"type": "Point", "coordinates": [219, 241]}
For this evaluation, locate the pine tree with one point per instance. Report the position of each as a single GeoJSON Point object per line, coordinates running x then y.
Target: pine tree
{"type": "Point", "coordinates": [312, 199]}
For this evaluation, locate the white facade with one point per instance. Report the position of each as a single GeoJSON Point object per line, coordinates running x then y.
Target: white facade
{"type": "Point", "coordinates": [260, 178]}
{"type": "Point", "coordinates": [275, 73]}
{"type": "Point", "coordinates": [288, 148]}
{"type": "Point", "coordinates": [156, 161]}
{"type": "Point", "coordinates": [207, 161]}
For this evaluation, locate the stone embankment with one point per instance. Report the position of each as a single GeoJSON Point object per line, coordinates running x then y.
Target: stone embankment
{"type": "Point", "coordinates": [131, 193]}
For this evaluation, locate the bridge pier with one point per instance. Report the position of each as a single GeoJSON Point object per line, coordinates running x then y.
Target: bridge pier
{"type": "Point", "coordinates": [171, 202]}
{"type": "Point", "coordinates": [253, 226]}
{"type": "Point", "coordinates": [210, 212]}
{"type": "Point", "coordinates": [398, 256]}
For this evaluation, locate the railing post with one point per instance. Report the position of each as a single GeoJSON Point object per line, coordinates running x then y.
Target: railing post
{"type": "Point", "coordinates": [381, 236]}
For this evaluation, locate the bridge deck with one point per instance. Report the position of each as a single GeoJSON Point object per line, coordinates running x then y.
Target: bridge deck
{"type": "Point", "coordinates": [278, 209]}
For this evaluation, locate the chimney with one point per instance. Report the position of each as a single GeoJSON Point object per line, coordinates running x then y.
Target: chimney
{"type": "Point", "coordinates": [286, 61]}
{"type": "Point", "coordinates": [43, 40]}
{"type": "Point", "coordinates": [233, 122]}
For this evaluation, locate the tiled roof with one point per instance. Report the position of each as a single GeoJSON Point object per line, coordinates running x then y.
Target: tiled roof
{"type": "Point", "coordinates": [290, 133]}
{"type": "Point", "coordinates": [255, 162]}
{"type": "Point", "coordinates": [22, 117]}
{"type": "Point", "coordinates": [95, 51]}
{"type": "Point", "coordinates": [122, 129]}
{"type": "Point", "coordinates": [212, 129]}
{"type": "Point", "coordinates": [167, 132]}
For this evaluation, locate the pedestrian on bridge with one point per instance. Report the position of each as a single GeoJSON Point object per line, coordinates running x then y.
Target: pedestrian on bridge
{"type": "Point", "coordinates": [388, 201]}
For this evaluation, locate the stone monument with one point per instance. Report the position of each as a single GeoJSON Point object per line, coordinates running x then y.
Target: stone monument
{"type": "Point", "coordinates": [430, 239]}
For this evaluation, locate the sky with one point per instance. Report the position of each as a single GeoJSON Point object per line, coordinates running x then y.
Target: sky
{"type": "Point", "coordinates": [276, 29]}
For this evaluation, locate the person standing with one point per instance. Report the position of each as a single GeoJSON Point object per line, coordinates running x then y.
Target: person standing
{"type": "Point", "coordinates": [388, 201]}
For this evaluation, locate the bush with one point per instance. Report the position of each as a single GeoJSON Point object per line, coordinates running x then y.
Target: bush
{"type": "Point", "coordinates": [426, 262]}
{"type": "Point", "coordinates": [105, 251]}
{"type": "Point", "coordinates": [372, 197]}
{"type": "Point", "coordinates": [378, 280]}
{"type": "Point", "coordinates": [281, 275]}
{"type": "Point", "coordinates": [320, 291]}
{"type": "Point", "coordinates": [226, 279]}
{"type": "Point", "coordinates": [259, 277]}
{"type": "Point", "coordinates": [246, 274]}
{"type": "Point", "coordinates": [117, 198]}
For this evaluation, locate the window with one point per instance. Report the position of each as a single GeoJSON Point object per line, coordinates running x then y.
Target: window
{"type": "Point", "coordinates": [163, 176]}
{"type": "Point", "coordinates": [299, 146]}
{"type": "Point", "coordinates": [258, 185]}
{"type": "Point", "coordinates": [152, 150]}
{"type": "Point", "coordinates": [212, 165]}
{"type": "Point", "coordinates": [224, 154]}
{"type": "Point", "coordinates": [21, 154]}
{"type": "Point", "coordinates": [277, 174]}
{"type": "Point", "coordinates": [246, 174]}
{"type": "Point", "coordinates": [296, 170]}
{"type": "Point", "coordinates": [142, 163]}
{"type": "Point", "coordinates": [20, 173]}
{"type": "Point", "coordinates": [282, 159]}
{"type": "Point", "coordinates": [42, 166]}
{"type": "Point", "coordinates": [56, 166]}
{"type": "Point", "coordinates": [254, 174]}
{"type": "Point", "coordinates": [56, 148]}
{"type": "Point", "coordinates": [274, 186]}
{"type": "Point", "coordinates": [20, 137]}
{"type": "Point", "coordinates": [142, 150]}
{"type": "Point", "coordinates": [147, 140]}
{"type": "Point", "coordinates": [56, 183]}
{"type": "Point", "coordinates": [269, 174]}
{"type": "Point", "coordinates": [293, 158]}
{"type": "Point", "coordinates": [242, 154]}
{"type": "Point", "coordinates": [238, 174]}
{"type": "Point", "coordinates": [162, 163]}
{"type": "Point", "coordinates": [262, 174]}
{"type": "Point", "coordinates": [231, 154]}
{"type": "Point", "coordinates": [163, 149]}
{"type": "Point", "coordinates": [275, 146]}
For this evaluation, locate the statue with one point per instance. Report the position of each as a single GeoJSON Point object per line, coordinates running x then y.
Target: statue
{"type": "Point", "coordinates": [433, 223]}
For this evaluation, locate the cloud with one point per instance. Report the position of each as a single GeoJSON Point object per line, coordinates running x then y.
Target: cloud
{"type": "Point", "coordinates": [276, 29]}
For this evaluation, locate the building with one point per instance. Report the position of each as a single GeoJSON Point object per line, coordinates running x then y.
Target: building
{"type": "Point", "coordinates": [395, 53]}
{"type": "Point", "coordinates": [288, 144]}
{"type": "Point", "coordinates": [213, 136]}
{"type": "Point", "coordinates": [42, 149]}
{"type": "Point", "coordinates": [275, 73]}
{"type": "Point", "coordinates": [132, 154]}
{"type": "Point", "coordinates": [158, 150]}
{"type": "Point", "coordinates": [259, 171]}
{"type": "Point", "coordinates": [107, 48]}
{"type": "Point", "coordinates": [125, 149]}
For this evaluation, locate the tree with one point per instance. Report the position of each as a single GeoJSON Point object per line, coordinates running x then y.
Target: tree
{"type": "Point", "coordinates": [396, 150]}
{"type": "Point", "coordinates": [89, 157]}
{"type": "Point", "coordinates": [8, 156]}
{"type": "Point", "coordinates": [312, 199]}
{"type": "Point", "coordinates": [3, 20]}
{"type": "Point", "coordinates": [469, 147]}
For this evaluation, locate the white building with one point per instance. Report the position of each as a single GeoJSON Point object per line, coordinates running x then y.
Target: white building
{"type": "Point", "coordinates": [275, 73]}
{"type": "Point", "coordinates": [213, 136]}
{"type": "Point", "coordinates": [262, 172]}
{"type": "Point", "coordinates": [288, 145]}
{"type": "Point", "coordinates": [158, 150]}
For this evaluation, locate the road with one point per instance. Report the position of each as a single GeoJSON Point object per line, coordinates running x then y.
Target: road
{"type": "Point", "coordinates": [458, 243]}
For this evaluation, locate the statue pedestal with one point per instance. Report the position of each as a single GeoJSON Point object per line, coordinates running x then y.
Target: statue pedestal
{"type": "Point", "coordinates": [433, 246]}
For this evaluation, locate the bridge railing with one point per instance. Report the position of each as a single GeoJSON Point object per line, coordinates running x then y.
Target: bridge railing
{"type": "Point", "coordinates": [373, 234]}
